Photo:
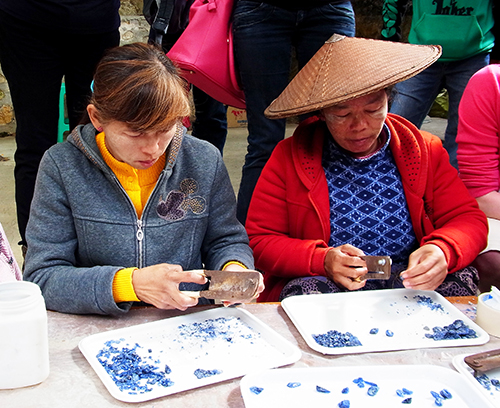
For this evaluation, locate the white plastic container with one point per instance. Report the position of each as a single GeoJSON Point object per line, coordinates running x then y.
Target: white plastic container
{"type": "Point", "coordinates": [24, 348]}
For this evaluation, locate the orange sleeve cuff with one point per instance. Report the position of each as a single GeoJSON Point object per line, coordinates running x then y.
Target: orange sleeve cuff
{"type": "Point", "coordinates": [123, 290]}
{"type": "Point", "coordinates": [233, 263]}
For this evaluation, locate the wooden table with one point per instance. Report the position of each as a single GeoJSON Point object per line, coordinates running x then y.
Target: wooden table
{"type": "Point", "coordinates": [73, 383]}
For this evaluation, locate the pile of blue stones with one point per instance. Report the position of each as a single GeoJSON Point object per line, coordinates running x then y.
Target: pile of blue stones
{"type": "Point", "coordinates": [129, 371]}
{"type": "Point", "coordinates": [488, 383]}
{"type": "Point", "coordinates": [427, 301]}
{"type": "Point", "coordinates": [334, 338]}
{"type": "Point", "coordinates": [201, 373]}
{"type": "Point", "coordinates": [457, 330]}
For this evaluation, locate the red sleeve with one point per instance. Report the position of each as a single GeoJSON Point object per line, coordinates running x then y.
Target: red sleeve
{"type": "Point", "coordinates": [272, 215]}
{"type": "Point", "coordinates": [460, 227]}
{"type": "Point", "coordinates": [478, 132]}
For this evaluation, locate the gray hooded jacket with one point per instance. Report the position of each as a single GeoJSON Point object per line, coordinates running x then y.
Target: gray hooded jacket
{"type": "Point", "coordinates": [83, 227]}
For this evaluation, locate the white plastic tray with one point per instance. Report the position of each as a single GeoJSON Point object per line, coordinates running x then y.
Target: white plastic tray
{"type": "Point", "coordinates": [420, 379]}
{"type": "Point", "coordinates": [396, 310]}
{"type": "Point", "coordinates": [244, 344]}
{"type": "Point", "coordinates": [493, 395]}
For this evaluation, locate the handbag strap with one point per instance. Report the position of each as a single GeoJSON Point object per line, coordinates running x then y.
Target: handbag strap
{"type": "Point", "coordinates": [162, 19]}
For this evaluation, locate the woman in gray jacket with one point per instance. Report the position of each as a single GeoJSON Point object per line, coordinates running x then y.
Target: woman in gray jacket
{"type": "Point", "coordinates": [130, 204]}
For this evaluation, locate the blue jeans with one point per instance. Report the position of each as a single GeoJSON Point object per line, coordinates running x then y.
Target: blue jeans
{"type": "Point", "coordinates": [264, 39]}
{"type": "Point", "coordinates": [414, 97]}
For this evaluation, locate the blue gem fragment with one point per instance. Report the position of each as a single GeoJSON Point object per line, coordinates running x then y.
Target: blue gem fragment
{"type": "Point", "coordinates": [372, 390]}
{"type": "Point", "coordinates": [400, 393]}
{"type": "Point", "coordinates": [256, 390]}
{"type": "Point", "coordinates": [322, 390]}
{"type": "Point", "coordinates": [389, 333]}
{"type": "Point", "coordinates": [457, 330]}
{"type": "Point", "coordinates": [406, 401]}
{"type": "Point", "coordinates": [344, 404]}
{"type": "Point", "coordinates": [334, 338]}
{"type": "Point", "coordinates": [200, 373]}
{"type": "Point", "coordinates": [345, 390]}
{"type": "Point", "coordinates": [293, 384]}
{"type": "Point", "coordinates": [374, 331]}
{"type": "Point", "coordinates": [407, 391]}
{"type": "Point", "coordinates": [445, 394]}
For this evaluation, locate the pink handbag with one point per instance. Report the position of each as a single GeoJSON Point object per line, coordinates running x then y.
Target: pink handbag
{"type": "Point", "coordinates": [204, 52]}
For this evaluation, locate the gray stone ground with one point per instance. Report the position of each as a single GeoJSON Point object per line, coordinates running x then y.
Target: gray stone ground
{"type": "Point", "coordinates": [234, 154]}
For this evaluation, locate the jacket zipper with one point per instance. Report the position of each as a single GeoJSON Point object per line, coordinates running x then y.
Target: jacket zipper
{"type": "Point", "coordinates": [140, 236]}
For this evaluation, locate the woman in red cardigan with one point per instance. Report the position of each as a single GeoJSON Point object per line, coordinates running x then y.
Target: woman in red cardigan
{"type": "Point", "coordinates": [354, 180]}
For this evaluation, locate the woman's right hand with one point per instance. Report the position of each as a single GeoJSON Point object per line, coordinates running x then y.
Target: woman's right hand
{"type": "Point", "coordinates": [158, 285]}
{"type": "Point", "coordinates": [343, 265]}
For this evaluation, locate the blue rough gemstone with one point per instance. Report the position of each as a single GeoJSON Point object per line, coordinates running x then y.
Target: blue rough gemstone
{"type": "Point", "coordinates": [445, 394]}
{"type": "Point", "coordinates": [435, 395]}
{"type": "Point", "coordinates": [389, 333]}
{"type": "Point", "coordinates": [406, 401]}
{"type": "Point", "coordinates": [345, 390]}
{"type": "Point", "coordinates": [407, 391]}
{"type": "Point", "coordinates": [374, 331]}
{"type": "Point", "coordinates": [322, 390]}
{"type": "Point", "coordinates": [400, 393]}
{"type": "Point", "coordinates": [372, 390]}
{"type": "Point", "coordinates": [344, 404]}
{"type": "Point", "coordinates": [256, 390]}
{"type": "Point", "coordinates": [293, 384]}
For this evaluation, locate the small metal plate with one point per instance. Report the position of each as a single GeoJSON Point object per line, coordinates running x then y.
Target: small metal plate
{"type": "Point", "coordinates": [379, 267]}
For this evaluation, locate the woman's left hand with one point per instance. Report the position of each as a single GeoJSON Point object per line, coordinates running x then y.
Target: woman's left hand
{"type": "Point", "coordinates": [427, 268]}
{"type": "Point", "coordinates": [234, 267]}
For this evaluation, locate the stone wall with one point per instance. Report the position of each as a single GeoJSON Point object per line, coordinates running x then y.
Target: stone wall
{"type": "Point", "coordinates": [134, 28]}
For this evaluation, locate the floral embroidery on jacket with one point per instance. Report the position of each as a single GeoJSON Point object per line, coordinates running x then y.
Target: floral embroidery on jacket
{"type": "Point", "coordinates": [179, 202]}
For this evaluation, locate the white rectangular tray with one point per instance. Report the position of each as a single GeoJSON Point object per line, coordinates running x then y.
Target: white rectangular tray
{"type": "Point", "coordinates": [239, 344]}
{"type": "Point", "coordinates": [420, 379]}
{"type": "Point", "coordinates": [493, 395]}
{"type": "Point", "coordinates": [396, 310]}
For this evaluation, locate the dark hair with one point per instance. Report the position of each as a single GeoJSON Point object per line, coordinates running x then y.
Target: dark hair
{"type": "Point", "coordinates": [137, 84]}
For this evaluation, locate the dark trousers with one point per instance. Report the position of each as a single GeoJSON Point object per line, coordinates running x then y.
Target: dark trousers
{"type": "Point", "coordinates": [34, 61]}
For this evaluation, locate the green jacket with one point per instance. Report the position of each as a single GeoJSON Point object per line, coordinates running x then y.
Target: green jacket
{"type": "Point", "coordinates": [463, 28]}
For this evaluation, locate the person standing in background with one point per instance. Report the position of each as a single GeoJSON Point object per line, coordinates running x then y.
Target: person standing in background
{"type": "Point", "coordinates": [265, 33]}
{"type": "Point", "coordinates": [478, 141]}
{"type": "Point", "coordinates": [42, 41]}
{"type": "Point", "coordinates": [210, 122]}
{"type": "Point", "coordinates": [463, 28]}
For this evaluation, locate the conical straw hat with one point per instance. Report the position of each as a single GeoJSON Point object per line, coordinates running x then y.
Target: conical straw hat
{"type": "Point", "coordinates": [348, 67]}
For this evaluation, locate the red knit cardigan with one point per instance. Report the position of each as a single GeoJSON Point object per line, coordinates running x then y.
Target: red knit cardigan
{"type": "Point", "coordinates": [289, 217]}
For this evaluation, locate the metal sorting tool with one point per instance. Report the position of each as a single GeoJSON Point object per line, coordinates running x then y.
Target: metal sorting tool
{"type": "Point", "coordinates": [229, 285]}
{"type": "Point", "coordinates": [379, 267]}
{"type": "Point", "coordinates": [483, 362]}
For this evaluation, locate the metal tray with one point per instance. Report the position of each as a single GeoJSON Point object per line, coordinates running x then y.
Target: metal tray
{"type": "Point", "coordinates": [225, 342]}
{"type": "Point", "coordinates": [397, 310]}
